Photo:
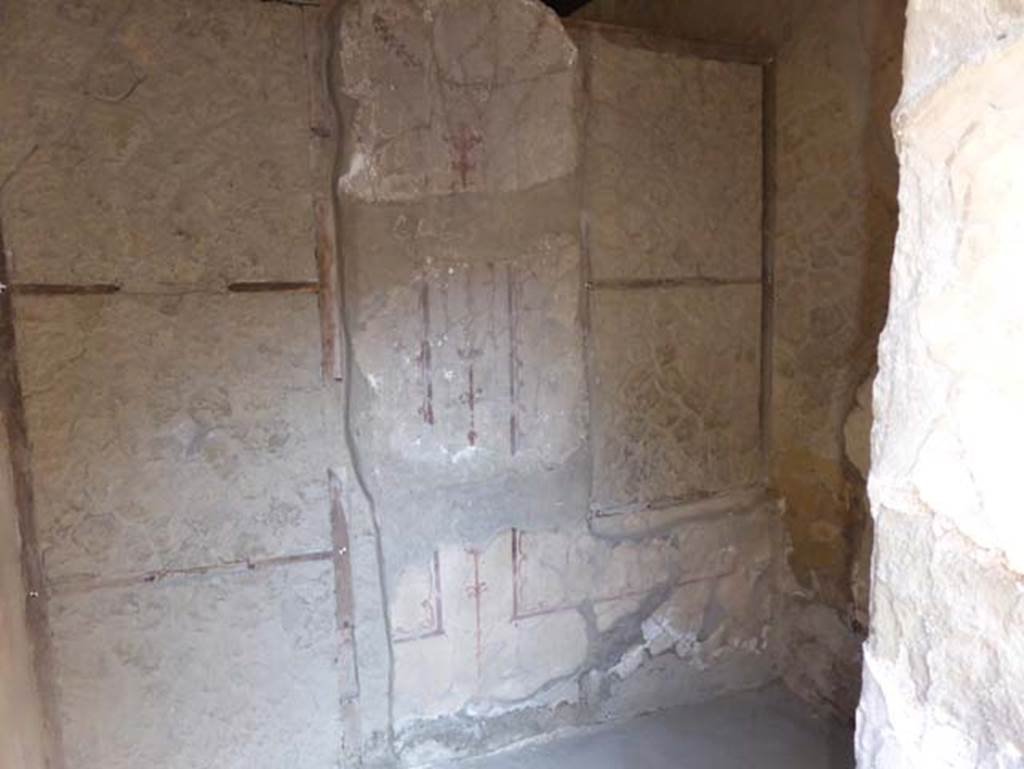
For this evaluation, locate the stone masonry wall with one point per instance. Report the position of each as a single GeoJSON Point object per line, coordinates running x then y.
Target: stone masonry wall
{"type": "Point", "coordinates": [944, 668]}
{"type": "Point", "coordinates": [837, 75]}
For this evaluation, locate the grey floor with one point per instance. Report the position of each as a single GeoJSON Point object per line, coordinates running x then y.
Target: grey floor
{"type": "Point", "coordinates": [767, 729]}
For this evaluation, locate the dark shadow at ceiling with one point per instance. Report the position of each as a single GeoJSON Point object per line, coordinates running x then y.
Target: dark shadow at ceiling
{"type": "Point", "coordinates": [565, 7]}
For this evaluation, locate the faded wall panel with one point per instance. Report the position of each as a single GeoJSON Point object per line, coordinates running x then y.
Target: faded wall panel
{"type": "Point", "coordinates": [184, 160]}
{"type": "Point", "coordinates": [469, 405]}
{"type": "Point", "coordinates": [677, 380]}
{"type": "Point", "coordinates": [555, 624]}
{"type": "Point", "coordinates": [673, 205]}
{"type": "Point", "coordinates": [481, 250]}
{"type": "Point", "coordinates": [174, 431]}
{"type": "Point", "coordinates": [673, 181]}
{"type": "Point", "coordinates": [181, 434]}
{"type": "Point", "coordinates": [837, 68]}
{"type": "Point", "coordinates": [457, 98]}
{"type": "Point", "coordinates": [238, 670]}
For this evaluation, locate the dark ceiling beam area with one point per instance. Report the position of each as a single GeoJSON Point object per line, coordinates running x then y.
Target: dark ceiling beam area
{"type": "Point", "coordinates": [561, 7]}
{"type": "Point", "coordinates": [565, 7]}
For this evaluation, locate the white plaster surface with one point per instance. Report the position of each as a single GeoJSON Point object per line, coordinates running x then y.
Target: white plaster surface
{"type": "Point", "coordinates": [236, 672]}
{"type": "Point", "coordinates": [153, 185]}
{"type": "Point", "coordinates": [514, 635]}
{"type": "Point", "coordinates": [454, 97]}
{"type": "Point", "coordinates": [485, 658]}
{"type": "Point", "coordinates": [174, 431]}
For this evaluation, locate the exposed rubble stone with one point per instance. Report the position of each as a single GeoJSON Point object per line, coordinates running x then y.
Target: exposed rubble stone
{"type": "Point", "coordinates": [944, 666]}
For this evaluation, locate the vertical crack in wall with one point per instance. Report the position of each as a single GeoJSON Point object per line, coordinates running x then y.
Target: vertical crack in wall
{"type": "Point", "coordinates": [31, 559]}
{"type": "Point", "coordinates": [769, 216]}
{"type": "Point", "coordinates": [586, 267]}
{"type": "Point", "coordinates": [371, 750]}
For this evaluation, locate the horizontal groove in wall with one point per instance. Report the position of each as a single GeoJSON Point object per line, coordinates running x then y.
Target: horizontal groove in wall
{"type": "Point", "coordinates": [642, 283]}
{"type": "Point", "coordinates": [256, 287]}
{"type": "Point", "coordinates": [71, 585]}
{"type": "Point", "coordinates": [63, 289]}
{"type": "Point", "coordinates": [100, 289]}
{"type": "Point", "coordinates": [404, 639]}
{"type": "Point", "coordinates": [300, 3]}
{"type": "Point", "coordinates": [711, 502]}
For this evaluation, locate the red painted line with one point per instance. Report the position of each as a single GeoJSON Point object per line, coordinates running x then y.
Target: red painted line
{"type": "Point", "coordinates": [471, 400]}
{"type": "Point", "coordinates": [426, 364]}
{"type": "Point", "coordinates": [513, 360]}
{"type": "Point", "coordinates": [438, 601]}
{"type": "Point", "coordinates": [515, 574]}
{"type": "Point", "coordinates": [462, 144]}
{"type": "Point", "coordinates": [475, 591]}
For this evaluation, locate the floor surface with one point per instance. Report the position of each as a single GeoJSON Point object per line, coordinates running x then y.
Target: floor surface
{"type": "Point", "coordinates": [767, 729]}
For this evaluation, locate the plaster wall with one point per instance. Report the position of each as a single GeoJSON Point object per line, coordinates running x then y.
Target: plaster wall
{"type": "Point", "coordinates": [837, 76]}
{"type": "Point", "coordinates": [571, 510]}
{"type": "Point", "coordinates": [27, 730]}
{"type": "Point", "coordinates": [484, 529]}
{"type": "Point", "coordinates": [943, 671]}
{"type": "Point", "coordinates": [180, 433]}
